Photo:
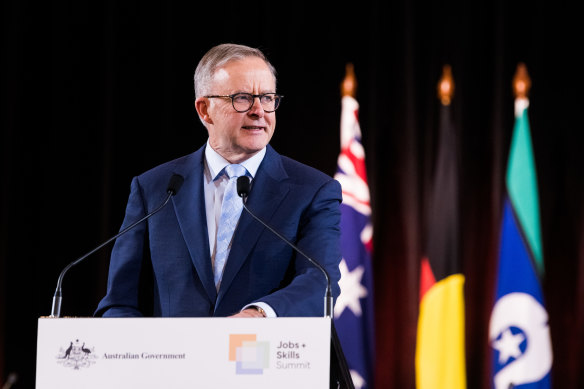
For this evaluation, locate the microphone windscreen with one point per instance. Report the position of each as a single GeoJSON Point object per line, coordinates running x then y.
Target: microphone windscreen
{"type": "Point", "coordinates": [243, 186]}
{"type": "Point", "coordinates": [174, 184]}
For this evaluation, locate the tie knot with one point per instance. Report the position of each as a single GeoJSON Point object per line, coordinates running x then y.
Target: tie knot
{"type": "Point", "coordinates": [235, 170]}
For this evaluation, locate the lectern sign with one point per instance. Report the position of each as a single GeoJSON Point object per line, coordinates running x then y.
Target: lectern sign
{"type": "Point", "coordinates": [183, 353]}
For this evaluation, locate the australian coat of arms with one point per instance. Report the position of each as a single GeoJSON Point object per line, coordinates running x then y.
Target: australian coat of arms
{"type": "Point", "coordinates": [76, 355]}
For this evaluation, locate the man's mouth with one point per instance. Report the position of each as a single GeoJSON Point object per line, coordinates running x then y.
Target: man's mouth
{"type": "Point", "coordinates": [253, 128]}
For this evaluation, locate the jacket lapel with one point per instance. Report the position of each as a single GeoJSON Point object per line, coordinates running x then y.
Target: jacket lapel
{"type": "Point", "coordinates": [189, 205]}
{"type": "Point", "coordinates": [267, 193]}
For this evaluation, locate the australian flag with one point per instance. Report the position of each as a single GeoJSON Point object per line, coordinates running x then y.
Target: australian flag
{"type": "Point", "coordinates": [353, 312]}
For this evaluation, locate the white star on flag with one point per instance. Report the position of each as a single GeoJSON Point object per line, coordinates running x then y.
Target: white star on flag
{"type": "Point", "coordinates": [358, 381]}
{"type": "Point", "coordinates": [508, 345]}
{"type": "Point", "coordinates": [351, 290]}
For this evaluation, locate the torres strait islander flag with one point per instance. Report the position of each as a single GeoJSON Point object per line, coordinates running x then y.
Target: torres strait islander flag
{"type": "Point", "coordinates": [519, 333]}
{"type": "Point", "coordinates": [353, 312]}
{"type": "Point", "coordinates": [440, 349]}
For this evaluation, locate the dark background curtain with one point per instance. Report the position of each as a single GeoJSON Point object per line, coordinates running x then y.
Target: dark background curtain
{"type": "Point", "coordinates": [94, 93]}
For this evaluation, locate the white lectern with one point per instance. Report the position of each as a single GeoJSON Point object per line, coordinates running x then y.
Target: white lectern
{"type": "Point", "coordinates": [183, 353]}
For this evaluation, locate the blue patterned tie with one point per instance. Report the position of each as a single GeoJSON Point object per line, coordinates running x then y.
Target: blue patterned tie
{"type": "Point", "coordinates": [230, 212]}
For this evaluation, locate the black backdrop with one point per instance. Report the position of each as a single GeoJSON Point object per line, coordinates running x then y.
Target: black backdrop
{"type": "Point", "coordinates": [94, 93]}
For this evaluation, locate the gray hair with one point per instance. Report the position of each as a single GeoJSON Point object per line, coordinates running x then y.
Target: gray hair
{"type": "Point", "coordinates": [217, 57]}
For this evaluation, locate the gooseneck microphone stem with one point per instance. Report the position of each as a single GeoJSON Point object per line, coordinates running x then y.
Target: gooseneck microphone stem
{"type": "Point", "coordinates": [328, 298]}
{"type": "Point", "coordinates": [243, 191]}
{"type": "Point", "coordinates": [173, 187]}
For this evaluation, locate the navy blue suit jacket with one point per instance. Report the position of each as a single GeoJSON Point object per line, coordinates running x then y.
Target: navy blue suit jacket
{"type": "Point", "coordinates": [163, 266]}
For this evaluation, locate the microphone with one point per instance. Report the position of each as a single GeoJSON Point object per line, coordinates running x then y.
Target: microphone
{"type": "Point", "coordinates": [243, 187]}
{"type": "Point", "coordinates": [173, 187]}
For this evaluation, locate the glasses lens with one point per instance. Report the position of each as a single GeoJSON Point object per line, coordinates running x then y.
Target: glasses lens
{"type": "Point", "coordinates": [242, 102]}
{"type": "Point", "coordinates": [269, 101]}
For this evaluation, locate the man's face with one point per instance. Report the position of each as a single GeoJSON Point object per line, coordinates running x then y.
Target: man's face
{"type": "Point", "coordinates": [237, 136]}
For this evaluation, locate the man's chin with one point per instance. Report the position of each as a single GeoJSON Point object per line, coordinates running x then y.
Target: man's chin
{"type": "Point", "coordinates": [251, 151]}
{"type": "Point", "coordinates": [255, 143]}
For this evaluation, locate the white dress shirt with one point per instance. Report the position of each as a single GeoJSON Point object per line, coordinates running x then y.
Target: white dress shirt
{"type": "Point", "coordinates": [214, 191]}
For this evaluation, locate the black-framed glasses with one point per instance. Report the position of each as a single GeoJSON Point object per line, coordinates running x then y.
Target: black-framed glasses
{"type": "Point", "coordinates": [242, 102]}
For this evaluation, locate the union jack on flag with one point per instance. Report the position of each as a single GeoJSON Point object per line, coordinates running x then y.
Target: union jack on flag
{"type": "Point", "coordinates": [353, 312]}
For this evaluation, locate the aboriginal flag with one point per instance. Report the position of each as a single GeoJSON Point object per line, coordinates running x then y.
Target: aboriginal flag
{"type": "Point", "coordinates": [440, 352]}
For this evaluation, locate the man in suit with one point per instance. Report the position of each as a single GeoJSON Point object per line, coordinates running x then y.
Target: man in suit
{"type": "Point", "coordinates": [182, 262]}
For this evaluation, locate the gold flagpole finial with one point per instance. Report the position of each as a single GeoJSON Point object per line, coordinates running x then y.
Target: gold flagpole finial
{"type": "Point", "coordinates": [521, 82]}
{"type": "Point", "coordinates": [349, 84]}
{"type": "Point", "coordinates": [446, 85]}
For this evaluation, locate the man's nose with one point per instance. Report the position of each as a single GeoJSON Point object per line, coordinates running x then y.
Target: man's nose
{"type": "Point", "coordinates": [256, 108]}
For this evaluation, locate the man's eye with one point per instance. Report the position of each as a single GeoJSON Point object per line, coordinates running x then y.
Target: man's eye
{"type": "Point", "coordinates": [241, 98]}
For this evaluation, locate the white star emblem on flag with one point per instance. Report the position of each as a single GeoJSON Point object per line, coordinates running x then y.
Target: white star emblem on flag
{"type": "Point", "coordinates": [351, 290]}
{"type": "Point", "coordinates": [508, 345]}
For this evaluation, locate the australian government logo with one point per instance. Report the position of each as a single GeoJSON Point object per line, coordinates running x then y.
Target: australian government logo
{"type": "Point", "coordinates": [252, 356]}
{"type": "Point", "coordinates": [76, 355]}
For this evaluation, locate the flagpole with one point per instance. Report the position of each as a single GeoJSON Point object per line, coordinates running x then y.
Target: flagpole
{"type": "Point", "coordinates": [353, 311]}
{"type": "Point", "coordinates": [340, 370]}
{"type": "Point", "coordinates": [440, 359]}
{"type": "Point", "coordinates": [519, 315]}
{"type": "Point", "coordinates": [349, 84]}
{"type": "Point", "coordinates": [446, 86]}
{"type": "Point", "coordinates": [521, 82]}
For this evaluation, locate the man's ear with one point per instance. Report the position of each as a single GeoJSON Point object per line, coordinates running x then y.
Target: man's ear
{"type": "Point", "coordinates": [202, 107]}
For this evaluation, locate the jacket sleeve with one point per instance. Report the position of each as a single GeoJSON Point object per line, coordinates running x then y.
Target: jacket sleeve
{"type": "Point", "coordinates": [128, 265]}
{"type": "Point", "coordinates": [319, 238]}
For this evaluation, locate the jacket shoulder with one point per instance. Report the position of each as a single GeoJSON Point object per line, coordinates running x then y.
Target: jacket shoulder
{"type": "Point", "coordinates": [299, 171]}
{"type": "Point", "coordinates": [161, 174]}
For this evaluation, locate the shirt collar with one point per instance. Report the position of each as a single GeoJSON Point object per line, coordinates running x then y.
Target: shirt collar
{"type": "Point", "coordinates": [216, 163]}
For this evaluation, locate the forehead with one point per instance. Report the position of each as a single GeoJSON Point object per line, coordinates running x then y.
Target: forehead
{"type": "Point", "coordinates": [242, 74]}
